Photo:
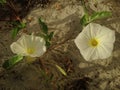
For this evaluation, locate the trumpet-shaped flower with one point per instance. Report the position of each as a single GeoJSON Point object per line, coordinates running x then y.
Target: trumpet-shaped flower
{"type": "Point", "coordinates": [95, 42]}
{"type": "Point", "coordinates": [29, 45]}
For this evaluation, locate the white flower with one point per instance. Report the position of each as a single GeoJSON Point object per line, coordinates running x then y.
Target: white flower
{"type": "Point", "coordinates": [95, 42]}
{"type": "Point", "coordinates": [29, 45]}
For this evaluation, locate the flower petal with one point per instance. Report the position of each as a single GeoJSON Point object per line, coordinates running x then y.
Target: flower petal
{"type": "Point", "coordinates": [92, 30]}
{"type": "Point", "coordinates": [105, 50]}
{"type": "Point", "coordinates": [82, 41]}
{"type": "Point", "coordinates": [22, 41]}
{"type": "Point", "coordinates": [17, 49]}
{"type": "Point", "coordinates": [88, 53]}
{"type": "Point", "coordinates": [40, 47]}
{"type": "Point", "coordinates": [26, 42]}
{"type": "Point", "coordinates": [105, 37]}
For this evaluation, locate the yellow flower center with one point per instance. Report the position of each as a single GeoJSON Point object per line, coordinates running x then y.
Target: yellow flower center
{"type": "Point", "coordinates": [94, 42]}
{"type": "Point", "coordinates": [30, 50]}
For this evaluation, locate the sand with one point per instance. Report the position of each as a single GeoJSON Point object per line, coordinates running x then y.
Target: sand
{"type": "Point", "coordinates": [63, 18]}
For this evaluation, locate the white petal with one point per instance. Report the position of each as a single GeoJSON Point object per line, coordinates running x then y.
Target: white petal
{"type": "Point", "coordinates": [95, 55]}
{"type": "Point", "coordinates": [28, 40]}
{"type": "Point", "coordinates": [88, 53]}
{"type": "Point", "coordinates": [105, 36]}
{"type": "Point", "coordinates": [22, 41]}
{"type": "Point", "coordinates": [82, 41]}
{"type": "Point", "coordinates": [92, 30]}
{"type": "Point", "coordinates": [40, 47]}
{"type": "Point", "coordinates": [105, 50]}
{"type": "Point", "coordinates": [17, 49]}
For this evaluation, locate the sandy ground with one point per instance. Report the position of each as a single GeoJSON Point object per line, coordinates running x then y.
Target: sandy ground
{"type": "Point", "coordinates": [63, 17]}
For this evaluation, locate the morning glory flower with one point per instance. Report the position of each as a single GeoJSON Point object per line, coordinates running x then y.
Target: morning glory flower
{"type": "Point", "coordinates": [29, 45]}
{"type": "Point", "coordinates": [95, 42]}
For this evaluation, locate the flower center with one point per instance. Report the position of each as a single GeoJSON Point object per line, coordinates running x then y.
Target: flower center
{"type": "Point", "coordinates": [30, 50]}
{"type": "Point", "coordinates": [93, 42]}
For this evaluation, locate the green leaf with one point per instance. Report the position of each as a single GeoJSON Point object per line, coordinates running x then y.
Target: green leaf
{"type": "Point", "coordinates": [47, 44]}
{"type": "Point", "coordinates": [43, 26]}
{"type": "Point", "coordinates": [14, 32]}
{"type": "Point", "coordinates": [21, 25]}
{"type": "Point", "coordinates": [84, 20]}
{"type": "Point", "coordinates": [46, 37]}
{"type": "Point", "coordinates": [61, 70]}
{"type": "Point", "coordinates": [14, 60]}
{"type": "Point", "coordinates": [17, 26]}
{"type": "Point", "coordinates": [51, 35]}
{"type": "Point", "coordinates": [100, 15]}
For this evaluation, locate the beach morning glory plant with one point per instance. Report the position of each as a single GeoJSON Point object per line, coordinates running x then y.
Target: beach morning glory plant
{"type": "Point", "coordinates": [95, 42]}
{"type": "Point", "coordinates": [29, 46]}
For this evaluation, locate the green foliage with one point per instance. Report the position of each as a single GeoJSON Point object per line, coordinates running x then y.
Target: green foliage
{"type": "Point", "coordinates": [99, 15]}
{"type": "Point", "coordinates": [3, 2]}
{"type": "Point", "coordinates": [43, 26]}
{"type": "Point", "coordinates": [47, 44]}
{"type": "Point", "coordinates": [50, 35]}
{"type": "Point", "coordinates": [86, 19]}
{"type": "Point", "coordinates": [47, 36]}
{"type": "Point", "coordinates": [17, 27]}
{"type": "Point", "coordinates": [14, 60]}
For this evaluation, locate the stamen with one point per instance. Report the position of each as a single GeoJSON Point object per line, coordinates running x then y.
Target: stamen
{"type": "Point", "coordinates": [94, 42]}
{"type": "Point", "coordinates": [30, 50]}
